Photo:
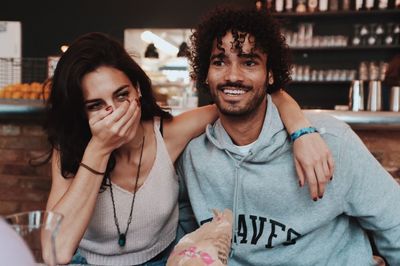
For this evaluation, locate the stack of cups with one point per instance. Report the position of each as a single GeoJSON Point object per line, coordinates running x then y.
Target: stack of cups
{"type": "Point", "coordinates": [374, 96]}
{"type": "Point", "coordinates": [395, 99]}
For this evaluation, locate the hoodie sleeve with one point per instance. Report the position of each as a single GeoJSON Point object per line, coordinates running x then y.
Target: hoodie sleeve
{"type": "Point", "coordinates": [371, 194]}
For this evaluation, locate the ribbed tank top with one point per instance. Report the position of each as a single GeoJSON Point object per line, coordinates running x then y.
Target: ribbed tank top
{"type": "Point", "coordinates": [154, 218]}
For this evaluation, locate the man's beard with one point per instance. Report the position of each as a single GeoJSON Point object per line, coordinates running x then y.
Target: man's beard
{"type": "Point", "coordinates": [233, 111]}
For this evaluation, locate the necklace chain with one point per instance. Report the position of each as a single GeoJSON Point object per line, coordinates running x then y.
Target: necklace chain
{"type": "Point", "coordinates": [122, 237]}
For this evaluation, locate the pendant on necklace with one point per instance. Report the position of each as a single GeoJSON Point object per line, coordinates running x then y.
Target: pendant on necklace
{"type": "Point", "coordinates": [122, 240]}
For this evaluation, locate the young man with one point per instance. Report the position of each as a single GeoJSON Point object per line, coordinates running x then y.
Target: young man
{"type": "Point", "coordinates": [239, 55]}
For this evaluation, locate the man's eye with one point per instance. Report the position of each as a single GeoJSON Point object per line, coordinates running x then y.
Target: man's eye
{"type": "Point", "coordinates": [217, 63]}
{"type": "Point", "coordinates": [250, 63]}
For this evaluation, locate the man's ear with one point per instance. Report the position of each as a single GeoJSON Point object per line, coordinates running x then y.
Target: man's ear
{"type": "Point", "coordinates": [270, 78]}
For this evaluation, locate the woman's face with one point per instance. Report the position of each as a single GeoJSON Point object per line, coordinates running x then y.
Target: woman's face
{"type": "Point", "coordinates": [106, 87]}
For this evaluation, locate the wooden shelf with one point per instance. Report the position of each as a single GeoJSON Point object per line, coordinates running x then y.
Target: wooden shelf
{"type": "Point", "coordinates": [345, 48]}
{"type": "Point", "coordinates": [388, 12]}
{"type": "Point", "coordinates": [333, 82]}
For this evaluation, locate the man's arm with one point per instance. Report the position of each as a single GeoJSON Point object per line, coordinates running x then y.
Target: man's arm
{"type": "Point", "coordinates": [373, 196]}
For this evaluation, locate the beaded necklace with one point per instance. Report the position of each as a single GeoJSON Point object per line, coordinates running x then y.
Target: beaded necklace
{"type": "Point", "coordinates": [122, 236]}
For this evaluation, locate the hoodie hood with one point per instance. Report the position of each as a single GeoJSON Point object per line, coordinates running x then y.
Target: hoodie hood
{"type": "Point", "coordinates": [270, 143]}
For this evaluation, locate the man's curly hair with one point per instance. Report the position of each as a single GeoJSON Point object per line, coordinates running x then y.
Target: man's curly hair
{"type": "Point", "coordinates": [258, 24]}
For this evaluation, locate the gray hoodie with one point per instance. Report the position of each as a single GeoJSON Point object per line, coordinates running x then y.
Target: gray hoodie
{"type": "Point", "coordinates": [276, 222]}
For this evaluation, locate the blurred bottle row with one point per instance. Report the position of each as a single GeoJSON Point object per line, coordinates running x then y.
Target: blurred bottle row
{"type": "Point", "coordinates": [368, 70]}
{"type": "Point", "coordinates": [374, 34]}
{"type": "Point", "coordinates": [301, 6]}
{"type": "Point", "coordinates": [306, 73]}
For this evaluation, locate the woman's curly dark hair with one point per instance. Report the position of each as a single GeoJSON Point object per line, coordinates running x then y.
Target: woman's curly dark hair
{"type": "Point", "coordinates": [66, 122]}
{"type": "Point", "coordinates": [258, 24]}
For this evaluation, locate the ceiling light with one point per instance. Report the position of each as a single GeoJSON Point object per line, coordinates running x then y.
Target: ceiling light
{"type": "Point", "coordinates": [159, 42]}
{"type": "Point", "coordinates": [151, 51]}
{"type": "Point", "coordinates": [183, 50]}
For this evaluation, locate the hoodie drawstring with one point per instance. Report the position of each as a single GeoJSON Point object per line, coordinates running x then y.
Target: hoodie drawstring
{"type": "Point", "coordinates": [235, 201]}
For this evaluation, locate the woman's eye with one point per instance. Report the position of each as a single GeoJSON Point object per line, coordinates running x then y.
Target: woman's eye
{"type": "Point", "coordinates": [94, 106]}
{"type": "Point", "coordinates": [123, 96]}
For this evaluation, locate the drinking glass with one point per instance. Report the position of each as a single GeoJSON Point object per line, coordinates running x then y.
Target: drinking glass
{"type": "Point", "coordinates": [356, 96]}
{"type": "Point", "coordinates": [39, 230]}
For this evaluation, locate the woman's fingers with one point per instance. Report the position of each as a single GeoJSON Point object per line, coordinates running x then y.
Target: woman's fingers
{"type": "Point", "coordinates": [99, 116]}
{"type": "Point", "coordinates": [331, 165]}
{"type": "Point", "coordinates": [132, 119]}
{"type": "Point", "coordinates": [130, 109]}
{"type": "Point", "coordinates": [300, 174]}
{"type": "Point", "coordinates": [312, 182]}
{"type": "Point", "coordinates": [313, 156]}
{"type": "Point", "coordinates": [321, 180]}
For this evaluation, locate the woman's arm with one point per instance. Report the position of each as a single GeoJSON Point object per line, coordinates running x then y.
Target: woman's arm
{"type": "Point", "coordinates": [312, 157]}
{"type": "Point", "coordinates": [187, 125]}
{"type": "Point", "coordinates": [75, 198]}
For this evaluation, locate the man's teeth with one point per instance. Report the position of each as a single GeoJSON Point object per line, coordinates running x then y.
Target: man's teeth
{"type": "Point", "coordinates": [234, 92]}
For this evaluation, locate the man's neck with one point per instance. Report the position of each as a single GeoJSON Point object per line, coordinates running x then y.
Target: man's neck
{"type": "Point", "coordinates": [244, 130]}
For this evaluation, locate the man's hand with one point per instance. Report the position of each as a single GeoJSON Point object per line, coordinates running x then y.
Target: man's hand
{"type": "Point", "coordinates": [314, 163]}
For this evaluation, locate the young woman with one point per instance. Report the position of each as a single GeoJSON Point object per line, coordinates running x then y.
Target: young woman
{"type": "Point", "coordinates": [114, 148]}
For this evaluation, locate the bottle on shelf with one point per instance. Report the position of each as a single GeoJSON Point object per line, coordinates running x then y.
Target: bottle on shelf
{"type": "Point", "coordinates": [383, 4]}
{"type": "Point", "coordinates": [364, 34]}
{"type": "Point", "coordinates": [289, 5]}
{"type": "Point", "coordinates": [346, 5]}
{"type": "Point", "coordinates": [323, 5]}
{"type": "Point", "coordinates": [334, 5]}
{"type": "Point", "coordinates": [279, 5]}
{"type": "Point", "coordinates": [356, 41]}
{"type": "Point", "coordinates": [396, 34]}
{"type": "Point", "coordinates": [389, 34]}
{"type": "Point", "coordinates": [372, 34]}
{"type": "Point", "coordinates": [312, 5]}
{"type": "Point", "coordinates": [301, 6]}
{"type": "Point", "coordinates": [379, 31]}
{"type": "Point", "coordinates": [359, 5]}
{"type": "Point", "coordinates": [369, 4]}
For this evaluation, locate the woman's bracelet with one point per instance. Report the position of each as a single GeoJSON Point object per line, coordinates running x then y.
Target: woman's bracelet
{"type": "Point", "coordinates": [302, 131]}
{"type": "Point", "coordinates": [91, 169]}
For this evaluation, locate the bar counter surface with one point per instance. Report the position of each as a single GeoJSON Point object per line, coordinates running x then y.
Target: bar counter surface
{"type": "Point", "coordinates": [34, 109]}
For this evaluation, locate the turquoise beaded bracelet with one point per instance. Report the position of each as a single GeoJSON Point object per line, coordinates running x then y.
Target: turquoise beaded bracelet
{"type": "Point", "coordinates": [302, 131]}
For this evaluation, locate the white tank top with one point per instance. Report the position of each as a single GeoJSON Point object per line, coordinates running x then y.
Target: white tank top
{"type": "Point", "coordinates": [154, 217]}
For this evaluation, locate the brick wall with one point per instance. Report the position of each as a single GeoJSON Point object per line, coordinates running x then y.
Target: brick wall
{"type": "Point", "coordinates": [24, 187]}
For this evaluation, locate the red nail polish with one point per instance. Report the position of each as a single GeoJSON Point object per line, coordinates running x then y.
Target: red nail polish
{"type": "Point", "coordinates": [315, 199]}
{"type": "Point", "coordinates": [138, 102]}
{"type": "Point", "coordinates": [300, 183]}
{"type": "Point", "coordinates": [320, 197]}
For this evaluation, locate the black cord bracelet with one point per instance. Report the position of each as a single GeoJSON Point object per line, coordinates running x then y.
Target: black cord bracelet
{"type": "Point", "coordinates": [91, 169]}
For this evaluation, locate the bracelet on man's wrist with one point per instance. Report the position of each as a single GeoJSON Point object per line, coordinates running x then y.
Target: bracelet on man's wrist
{"type": "Point", "coordinates": [302, 131]}
{"type": "Point", "coordinates": [91, 169]}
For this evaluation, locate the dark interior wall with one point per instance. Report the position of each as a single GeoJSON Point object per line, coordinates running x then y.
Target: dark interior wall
{"type": "Point", "coordinates": [46, 25]}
